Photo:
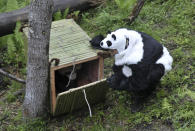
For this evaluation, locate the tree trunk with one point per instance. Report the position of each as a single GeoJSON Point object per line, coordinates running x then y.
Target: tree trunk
{"type": "Point", "coordinates": [8, 19]}
{"type": "Point", "coordinates": [36, 96]}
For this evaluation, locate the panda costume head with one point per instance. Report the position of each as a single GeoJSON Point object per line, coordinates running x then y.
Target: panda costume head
{"type": "Point", "coordinates": [120, 40]}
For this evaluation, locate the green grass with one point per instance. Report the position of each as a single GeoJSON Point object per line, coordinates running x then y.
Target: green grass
{"type": "Point", "coordinates": [171, 23]}
{"type": "Point", "coordinates": [173, 104]}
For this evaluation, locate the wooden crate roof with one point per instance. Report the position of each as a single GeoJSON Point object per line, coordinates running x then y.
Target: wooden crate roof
{"type": "Point", "coordinates": [68, 42]}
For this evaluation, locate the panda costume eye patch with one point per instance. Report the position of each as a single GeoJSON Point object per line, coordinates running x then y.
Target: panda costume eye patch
{"type": "Point", "coordinates": [109, 43]}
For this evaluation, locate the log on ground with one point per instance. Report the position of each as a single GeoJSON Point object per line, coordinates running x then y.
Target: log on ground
{"type": "Point", "coordinates": [8, 19]}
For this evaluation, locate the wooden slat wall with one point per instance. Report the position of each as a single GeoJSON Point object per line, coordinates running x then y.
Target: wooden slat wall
{"type": "Point", "coordinates": [74, 98]}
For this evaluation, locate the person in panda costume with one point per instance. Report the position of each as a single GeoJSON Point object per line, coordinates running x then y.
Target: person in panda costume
{"type": "Point", "coordinates": [139, 65]}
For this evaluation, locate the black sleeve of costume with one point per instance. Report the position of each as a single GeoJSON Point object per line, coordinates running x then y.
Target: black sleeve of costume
{"type": "Point", "coordinates": [95, 41]}
{"type": "Point", "coordinates": [115, 80]}
{"type": "Point", "coordinates": [117, 69]}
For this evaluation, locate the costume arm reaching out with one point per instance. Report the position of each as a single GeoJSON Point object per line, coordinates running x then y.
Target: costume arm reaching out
{"type": "Point", "coordinates": [119, 58]}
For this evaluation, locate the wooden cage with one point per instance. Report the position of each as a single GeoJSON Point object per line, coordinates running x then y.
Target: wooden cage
{"type": "Point", "coordinates": [70, 44]}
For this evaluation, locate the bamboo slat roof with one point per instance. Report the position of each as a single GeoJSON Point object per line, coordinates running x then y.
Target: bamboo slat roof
{"type": "Point", "coordinates": [68, 42]}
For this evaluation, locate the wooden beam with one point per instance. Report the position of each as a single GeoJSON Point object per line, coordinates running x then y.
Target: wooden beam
{"type": "Point", "coordinates": [76, 62]}
{"type": "Point", "coordinates": [53, 90]}
{"type": "Point", "coordinates": [101, 68]}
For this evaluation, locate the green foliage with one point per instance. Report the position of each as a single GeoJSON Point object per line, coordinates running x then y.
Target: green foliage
{"type": "Point", "coordinates": [10, 97]}
{"type": "Point", "coordinates": [15, 85]}
{"type": "Point", "coordinates": [65, 14]}
{"type": "Point", "coordinates": [2, 5]}
{"type": "Point", "coordinates": [11, 5]}
{"type": "Point", "coordinates": [76, 13]}
{"type": "Point", "coordinates": [23, 3]}
{"type": "Point", "coordinates": [15, 48]}
{"type": "Point", "coordinates": [185, 92]}
{"type": "Point", "coordinates": [114, 14]}
{"type": "Point", "coordinates": [12, 46]}
{"type": "Point", "coordinates": [57, 15]}
{"type": "Point", "coordinates": [125, 5]}
{"type": "Point", "coordinates": [19, 35]}
{"type": "Point", "coordinates": [31, 125]}
{"type": "Point", "coordinates": [11, 49]}
{"type": "Point", "coordinates": [179, 54]}
{"type": "Point", "coordinates": [165, 105]}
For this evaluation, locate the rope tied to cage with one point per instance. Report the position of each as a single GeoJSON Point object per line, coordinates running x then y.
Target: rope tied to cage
{"type": "Point", "coordinates": [73, 70]}
{"type": "Point", "coordinates": [85, 96]}
{"type": "Point", "coordinates": [90, 113]}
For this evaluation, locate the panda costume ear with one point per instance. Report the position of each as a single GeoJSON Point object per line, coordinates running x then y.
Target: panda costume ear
{"type": "Point", "coordinates": [113, 36]}
{"type": "Point", "coordinates": [127, 41]}
{"type": "Point", "coordinates": [109, 32]}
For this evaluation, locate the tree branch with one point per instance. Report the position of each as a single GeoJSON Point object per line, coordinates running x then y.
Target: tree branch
{"type": "Point", "coordinates": [136, 10]}
{"type": "Point", "coordinates": [12, 76]}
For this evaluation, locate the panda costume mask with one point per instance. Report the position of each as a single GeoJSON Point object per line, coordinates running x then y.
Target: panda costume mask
{"type": "Point", "coordinates": [115, 40]}
{"type": "Point", "coordinates": [134, 47]}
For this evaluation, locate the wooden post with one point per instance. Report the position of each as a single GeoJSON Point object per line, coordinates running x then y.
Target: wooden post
{"type": "Point", "coordinates": [101, 68]}
{"type": "Point", "coordinates": [53, 90]}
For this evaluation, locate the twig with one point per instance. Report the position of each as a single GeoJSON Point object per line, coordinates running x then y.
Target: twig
{"type": "Point", "coordinates": [136, 10]}
{"type": "Point", "coordinates": [12, 76]}
{"type": "Point", "coordinates": [2, 93]}
{"type": "Point", "coordinates": [17, 93]}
